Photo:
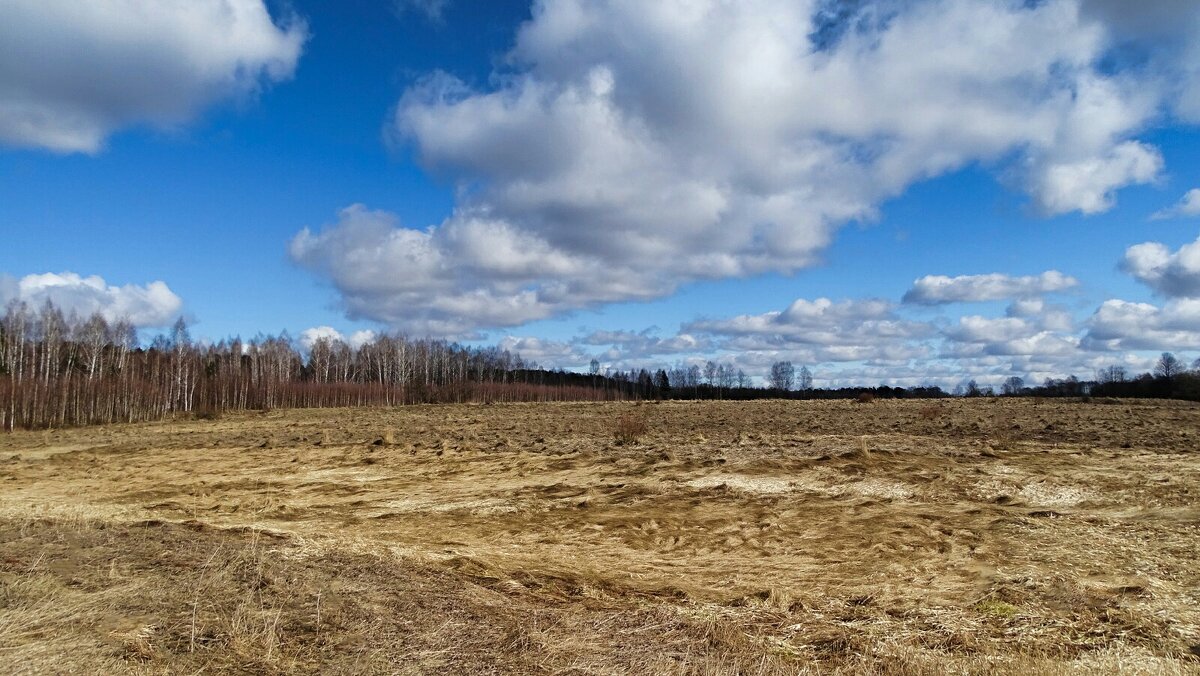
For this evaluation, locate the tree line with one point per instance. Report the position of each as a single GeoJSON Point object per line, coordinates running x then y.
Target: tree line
{"type": "Point", "coordinates": [783, 381]}
{"type": "Point", "coordinates": [1170, 379]}
{"type": "Point", "coordinates": [58, 371]}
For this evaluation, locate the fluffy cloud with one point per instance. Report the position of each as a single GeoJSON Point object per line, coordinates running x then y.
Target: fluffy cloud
{"type": "Point", "coordinates": [429, 281]}
{"type": "Point", "coordinates": [309, 337]}
{"type": "Point", "coordinates": [71, 73]}
{"type": "Point", "coordinates": [143, 306]}
{"type": "Point", "coordinates": [939, 289]}
{"type": "Point", "coordinates": [630, 345]}
{"type": "Point", "coordinates": [1172, 274]}
{"type": "Point", "coordinates": [636, 147]}
{"type": "Point", "coordinates": [543, 352]}
{"type": "Point", "coordinates": [822, 330]}
{"type": "Point", "coordinates": [1189, 205]}
{"type": "Point", "coordinates": [1089, 184]}
{"type": "Point", "coordinates": [1122, 325]}
{"type": "Point", "coordinates": [976, 336]}
{"type": "Point", "coordinates": [1161, 35]}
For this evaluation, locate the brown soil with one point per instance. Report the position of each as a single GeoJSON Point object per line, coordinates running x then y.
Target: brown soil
{"type": "Point", "coordinates": [986, 536]}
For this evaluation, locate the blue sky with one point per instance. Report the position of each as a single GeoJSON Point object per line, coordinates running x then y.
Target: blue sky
{"type": "Point", "coordinates": [697, 177]}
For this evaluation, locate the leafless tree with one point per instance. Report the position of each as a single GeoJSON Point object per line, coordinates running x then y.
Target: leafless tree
{"type": "Point", "coordinates": [783, 375]}
{"type": "Point", "coordinates": [1168, 366]}
{"type": "Point", "coordinates": [1012, 385]}
{"type": "Point", "coordinates": [743, 380]}
{"type": "Point", "coordinates": [57, 371]}
{"type": "Point", "coordinates": [726, 376]}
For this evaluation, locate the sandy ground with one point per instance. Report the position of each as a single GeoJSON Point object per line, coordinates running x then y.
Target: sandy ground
{"type": "Point", "coordinates": [985, 536]}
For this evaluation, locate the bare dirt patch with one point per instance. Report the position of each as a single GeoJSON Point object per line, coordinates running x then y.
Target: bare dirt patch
{"type": "Point", "coordinates": [759, 537]}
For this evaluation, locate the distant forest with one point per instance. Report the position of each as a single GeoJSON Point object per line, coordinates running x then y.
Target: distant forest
{"type": "Point", "coordinates": [58, 371]}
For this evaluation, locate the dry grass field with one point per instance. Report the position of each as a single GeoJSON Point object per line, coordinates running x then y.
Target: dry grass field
{"type": "Point", "coordinates": [894, 537]}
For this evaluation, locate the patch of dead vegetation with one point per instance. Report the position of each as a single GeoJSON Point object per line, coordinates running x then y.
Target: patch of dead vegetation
{"type": "Point", "coordinates": [1012, 536]}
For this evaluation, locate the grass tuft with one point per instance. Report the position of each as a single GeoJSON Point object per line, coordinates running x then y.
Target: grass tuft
{"type": "Point", "coordinates": [629, 429]}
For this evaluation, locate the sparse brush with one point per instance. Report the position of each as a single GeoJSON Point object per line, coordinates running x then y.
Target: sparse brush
{"type": "Point", "coordinates": [630, 429]}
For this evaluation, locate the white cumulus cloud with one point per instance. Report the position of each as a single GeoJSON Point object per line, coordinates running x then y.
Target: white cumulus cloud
{"type": "Point", "coordinates": [1188, 205]}
{"type": "Point", "coordinates": [939, 289]}
{"type": "Point", "coordinates": [1089, 184]}
{"type": "Point", "coordinates": [143, 306]}
{"type": "Point", "coordinates": [1162, 35]}
{"type": "Point", "coordinates": [626, 148]}
{"type": "Point", "coordinates": [975, 336]}
{"type": "Point", "coordinates": [428, 281]}
{"type": "Point", "coordinates": [72, 73]}
{"type": "Point", "coordinates": [1170, 273]}
{"type": "Point", "coordinates": [309, 337]}
{"type": "Point", "coordinates": [1124, 325]}
{"type": "Point", "coordinates": [823, 330]}
{"type": "Point", "coordinates": [543, 352]}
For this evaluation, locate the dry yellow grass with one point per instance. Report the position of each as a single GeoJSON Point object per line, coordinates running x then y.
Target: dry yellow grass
{"type": "Point", "coordinates": [763, 537]}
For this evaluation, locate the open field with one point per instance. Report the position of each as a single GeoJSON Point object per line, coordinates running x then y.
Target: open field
{"type": "Point", "coordinates": [906, 537]}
